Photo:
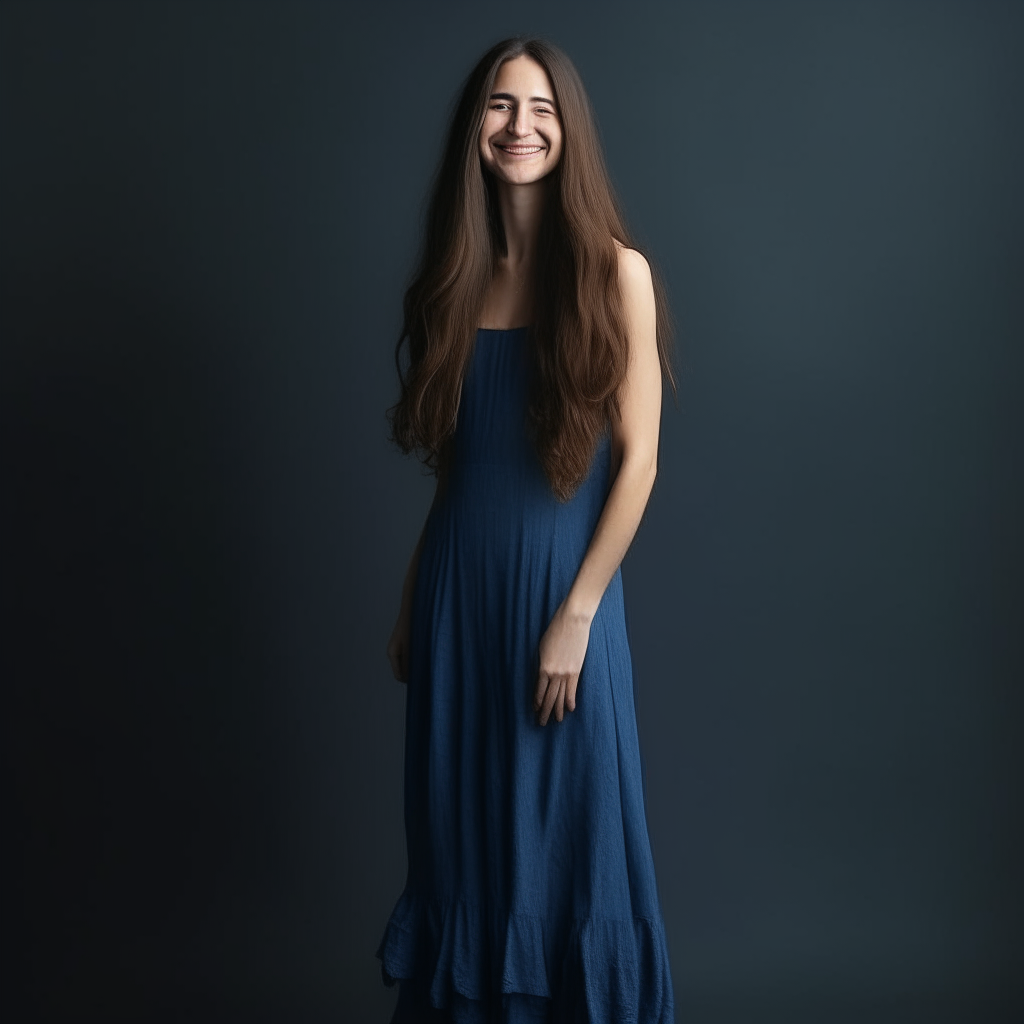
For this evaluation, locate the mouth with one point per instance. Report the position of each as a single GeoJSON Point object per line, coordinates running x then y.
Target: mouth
{"type": "Point", "coordinates": [519, 150]}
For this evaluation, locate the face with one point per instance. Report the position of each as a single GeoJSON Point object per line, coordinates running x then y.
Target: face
{"type": "Point", "coordinates": [521, 137]}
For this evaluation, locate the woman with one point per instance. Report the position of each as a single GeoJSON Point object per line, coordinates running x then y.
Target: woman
{"type": "Point", "coordinates": [537, 341]}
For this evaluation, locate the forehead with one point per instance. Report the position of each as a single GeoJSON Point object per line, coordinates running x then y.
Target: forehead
{"type": "Point", "coordinates": [522, 77]}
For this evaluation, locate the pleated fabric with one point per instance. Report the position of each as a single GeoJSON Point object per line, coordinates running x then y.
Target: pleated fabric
{"type": "Point", "coordinates": [531, 893]}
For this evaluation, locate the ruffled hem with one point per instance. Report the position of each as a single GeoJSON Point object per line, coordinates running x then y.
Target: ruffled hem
{"type": "Point", "coordinates": [509, 968]}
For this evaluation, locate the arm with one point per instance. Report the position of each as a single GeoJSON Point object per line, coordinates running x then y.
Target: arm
{"type": "Point", "coordinates": [635, 440]}
{"type": "Point", "coordinates": [398, 643]}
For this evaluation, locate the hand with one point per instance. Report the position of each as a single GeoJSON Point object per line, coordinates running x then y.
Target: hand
{"type": "Point", "coordinates": [562, 649]}
{"type": "Point", "coordinates": [398, 646]}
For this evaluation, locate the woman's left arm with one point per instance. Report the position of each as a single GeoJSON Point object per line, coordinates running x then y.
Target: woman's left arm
{"type": "Point", "coordinates": [635, 435]}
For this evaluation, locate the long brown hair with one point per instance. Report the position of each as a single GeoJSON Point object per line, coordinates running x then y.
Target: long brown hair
{"type": "Point", "coordinates": [578, 335]}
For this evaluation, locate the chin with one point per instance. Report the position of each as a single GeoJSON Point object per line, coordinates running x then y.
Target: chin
{"type": "Point", "coordinates": [524, 176]}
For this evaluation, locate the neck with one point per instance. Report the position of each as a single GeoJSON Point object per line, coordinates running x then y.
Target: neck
{"type": "Point", "coordinates": [522, 207]}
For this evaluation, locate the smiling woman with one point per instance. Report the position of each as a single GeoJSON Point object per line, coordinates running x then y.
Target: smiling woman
{"type": "Point", "coordinates": [521, 138]}
{"type": "Point", "coordinates": [538, 344]}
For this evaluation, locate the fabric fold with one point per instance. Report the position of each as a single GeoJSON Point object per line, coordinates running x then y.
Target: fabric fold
{"type": "Point", "coordinates": [607, 971]}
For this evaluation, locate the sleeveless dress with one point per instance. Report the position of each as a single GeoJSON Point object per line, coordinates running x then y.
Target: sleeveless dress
{"type": "Point", "coordinates": [531, 892]}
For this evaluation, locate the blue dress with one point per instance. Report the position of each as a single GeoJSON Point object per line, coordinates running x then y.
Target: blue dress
{"type": "Point", "coordinates": [531, 892]}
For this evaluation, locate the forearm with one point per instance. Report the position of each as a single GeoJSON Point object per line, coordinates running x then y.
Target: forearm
{"type": "Point", "coordinates": [619, 521]}
{"type": "Point", "coordinates": [409, 585]}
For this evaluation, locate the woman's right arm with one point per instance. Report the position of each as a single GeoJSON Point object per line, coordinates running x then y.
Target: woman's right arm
{"type": "Point", "coordinates": [398, 644]}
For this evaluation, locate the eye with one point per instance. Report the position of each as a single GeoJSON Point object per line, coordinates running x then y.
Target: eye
{"type": "Point", "coordinates": [496, 106]}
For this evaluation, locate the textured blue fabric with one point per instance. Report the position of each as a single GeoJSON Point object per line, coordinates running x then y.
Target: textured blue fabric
{"type": "Point", "coordinates": [531, 892]}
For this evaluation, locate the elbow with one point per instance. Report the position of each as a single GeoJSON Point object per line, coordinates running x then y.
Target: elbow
{"type": "Point", "coordinates": [642, 467]}
{"type": "Point", "coordinates": [648, 460]}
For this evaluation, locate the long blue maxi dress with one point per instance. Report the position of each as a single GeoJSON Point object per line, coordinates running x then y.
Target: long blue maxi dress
{"type": "Point", "coordinates": [531, 892]}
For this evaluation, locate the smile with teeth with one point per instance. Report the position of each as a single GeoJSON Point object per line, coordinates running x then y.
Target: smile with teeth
{"type": "Point", "coordinates": [515, 150]}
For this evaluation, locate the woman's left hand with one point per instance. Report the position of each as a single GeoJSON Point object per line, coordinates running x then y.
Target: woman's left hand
{"type": "Point", "coordinates": [562, 649]}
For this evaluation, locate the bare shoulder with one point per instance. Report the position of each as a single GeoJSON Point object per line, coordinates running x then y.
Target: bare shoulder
{"type": "Point", "coordinates": [632, 262]}
{"type": "Point", "coordinates": [635, 280]}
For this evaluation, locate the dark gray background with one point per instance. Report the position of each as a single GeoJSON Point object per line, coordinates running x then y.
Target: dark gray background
{"type": "Point", "coordinates": [209, 214]}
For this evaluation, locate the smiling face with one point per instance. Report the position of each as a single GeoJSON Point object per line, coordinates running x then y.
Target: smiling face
{"type": "Point", "coordinates": [521, 137]}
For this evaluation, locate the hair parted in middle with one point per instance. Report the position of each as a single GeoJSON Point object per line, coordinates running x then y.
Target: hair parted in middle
{"type": "Point", "coordinates": [578, 336]}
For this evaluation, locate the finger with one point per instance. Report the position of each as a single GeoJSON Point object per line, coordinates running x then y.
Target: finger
{"type": "Point", "coordinates": [549, 699]}
{"type": "Point", "coordinates": [556, 685]}
{"type": "Point", "coordinates": [540, 690]}
{"type": "Point", "coordinates": [539, 703]}
{"type": "Point", "coordinates": [570, 693]}
{"type": "Point", "coordinates": [560, 701]}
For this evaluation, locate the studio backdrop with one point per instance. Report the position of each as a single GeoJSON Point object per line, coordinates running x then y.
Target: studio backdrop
{"type": "Point", "coordinates": [210, 212]}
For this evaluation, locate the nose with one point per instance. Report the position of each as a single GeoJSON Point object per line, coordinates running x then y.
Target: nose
{"type": "Point", "coordinates": [518, 123]}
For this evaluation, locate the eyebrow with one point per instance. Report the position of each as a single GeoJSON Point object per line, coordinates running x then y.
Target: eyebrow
{"type": "Point", "coordinates": [532, 99]}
